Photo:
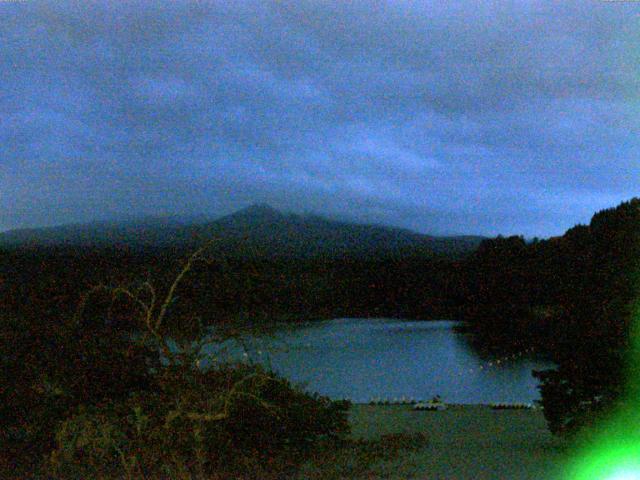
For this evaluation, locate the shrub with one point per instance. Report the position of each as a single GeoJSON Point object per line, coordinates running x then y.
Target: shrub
{"type": "Point", "coordinates": [104, 393]}
{"type": "Point", "coordinates": [226, 421]}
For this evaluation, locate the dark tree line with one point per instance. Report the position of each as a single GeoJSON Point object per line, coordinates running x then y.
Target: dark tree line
{"type": "Point", "coordinates": [571, 297]}
{"type": "Point", "coordinates": [49, 281]}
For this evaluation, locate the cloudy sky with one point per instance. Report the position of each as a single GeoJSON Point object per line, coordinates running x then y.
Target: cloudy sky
{"type": "Point", "coordinates": [485, 117]}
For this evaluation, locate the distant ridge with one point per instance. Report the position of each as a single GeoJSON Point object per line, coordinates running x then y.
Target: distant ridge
{"type": "Point", "coordinates": [258, 229]}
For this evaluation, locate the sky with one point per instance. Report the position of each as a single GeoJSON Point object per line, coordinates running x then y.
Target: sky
{"type": "Point", "coordinates": [444, 117]}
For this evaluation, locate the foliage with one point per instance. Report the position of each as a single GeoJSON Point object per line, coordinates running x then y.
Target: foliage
{"type": "Point", "coordinates": [103, 392]}
{"type": "Point", "coordinates": [196, 424]}
{"type": "Point", "coordinates": [591, 375]}
{"type": "Point", "coordinates": [569, 297]}
{"type": "Point", "coordinates": [48, 370]}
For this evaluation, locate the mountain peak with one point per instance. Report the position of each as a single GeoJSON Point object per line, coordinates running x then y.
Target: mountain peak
{"type": "Point", "coordinates": [259, 210]}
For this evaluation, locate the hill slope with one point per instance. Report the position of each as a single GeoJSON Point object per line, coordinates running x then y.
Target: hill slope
{"type": "Point", "coordinates": [258, 229]}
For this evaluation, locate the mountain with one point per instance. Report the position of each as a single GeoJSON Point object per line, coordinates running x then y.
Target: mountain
{"type": "Point", "coordinates": [135, 232]}
{"type": "Point", "coordinates": [257, 230]}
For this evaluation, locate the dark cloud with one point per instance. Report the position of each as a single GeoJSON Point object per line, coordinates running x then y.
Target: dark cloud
{"type": "Point", "coordinates": [445, 117]}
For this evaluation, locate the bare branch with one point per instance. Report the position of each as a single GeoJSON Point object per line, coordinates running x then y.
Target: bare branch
{"type": "Point", "coordinates": [207, 417]}
{"type": "Point", "coordinates": [170, 294]}
{"type": "Point", "coordinates": [134, 298]}
{"type": "Point", "coordinates": [77, 316]}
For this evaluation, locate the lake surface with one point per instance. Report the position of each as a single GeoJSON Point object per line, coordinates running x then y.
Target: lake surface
{"type": "Point", "coordinates": [361, 359]}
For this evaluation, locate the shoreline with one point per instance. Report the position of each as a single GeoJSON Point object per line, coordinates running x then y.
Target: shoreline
{"type": "Point", "coordinates": [453, 405]}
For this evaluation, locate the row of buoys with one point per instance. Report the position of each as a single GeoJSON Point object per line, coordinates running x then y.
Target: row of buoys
{"type": "Point", "coordinates": [393, 401]}
{"type": "Point", "coordinates": [507, 358]}
{"type": "Point", "coordinates": [439, 405]}
{"type": "Point", "coordinates": [512, 406]}
{"type": "Point", "coordinates": [433, 406]}
{"type": "Point", "coordinates": [500, 361]}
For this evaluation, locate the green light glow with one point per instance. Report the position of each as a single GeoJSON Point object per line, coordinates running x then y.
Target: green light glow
{"type": "Point", "coordinates": [608, 462]}
{"type": "Point", "coordinates": [625, 475]}
{"type": "Point", "coordinates": [611, 449]}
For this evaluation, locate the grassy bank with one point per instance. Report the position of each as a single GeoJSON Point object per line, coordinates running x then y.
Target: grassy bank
{"type": "Point", "coordinates": [463, 442]}
{"type": "Point", "coordinates": [470, 442]}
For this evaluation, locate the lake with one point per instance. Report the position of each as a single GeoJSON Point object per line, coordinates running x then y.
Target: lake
{"type": "Point", "coordinates": [361, 359]}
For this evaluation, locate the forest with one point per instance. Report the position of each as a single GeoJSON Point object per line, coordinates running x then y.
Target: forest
{"type": "Point", "coordinates": [70, 373]}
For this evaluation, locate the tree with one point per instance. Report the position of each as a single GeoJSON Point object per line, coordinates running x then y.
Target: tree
{"type": "Point", "coordinates": [122, 393]}
{"type": "Point", "coordinates": [591, 377]}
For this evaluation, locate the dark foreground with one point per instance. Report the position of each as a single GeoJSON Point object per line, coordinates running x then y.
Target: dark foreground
{"type": "Point", "coordinates": [396, 442]}
{"type": "Point", "coordinates": [464, 442]}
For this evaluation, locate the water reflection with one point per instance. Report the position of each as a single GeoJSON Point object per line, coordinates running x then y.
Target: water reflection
{"type": "Point", "coordinates": [365, 358]}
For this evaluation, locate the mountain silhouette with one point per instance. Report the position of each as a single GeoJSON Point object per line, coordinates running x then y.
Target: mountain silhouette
{"type": "Point", "coordinates": [256, 230]}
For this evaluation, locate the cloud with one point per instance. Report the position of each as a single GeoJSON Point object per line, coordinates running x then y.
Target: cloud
{"type": "Point", "coordinates": [445, 117]}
